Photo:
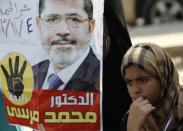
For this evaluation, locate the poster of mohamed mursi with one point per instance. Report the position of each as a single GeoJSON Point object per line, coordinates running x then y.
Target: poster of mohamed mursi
{"type": "Point", "coordinates": [51, 63]}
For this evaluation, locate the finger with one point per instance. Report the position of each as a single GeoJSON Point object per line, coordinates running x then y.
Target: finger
{"type": "Point", "coordinates": [144, 102]}
{"type": "Point", "coordinates": [148, 108]}
{"type": "Point", "coordinates": [11, 66]}
{"type": "Point", "coordinates": [22, 69]}
{"type": "Point", "coordinates": [16, 65]}
{"type": "Point", "coordinates": [5, 72]}
{"type": "Point", "coordinates": [139, 99]}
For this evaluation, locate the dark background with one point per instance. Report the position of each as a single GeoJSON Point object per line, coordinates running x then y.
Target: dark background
{"type": "Point", "coordinates": [116, 99]}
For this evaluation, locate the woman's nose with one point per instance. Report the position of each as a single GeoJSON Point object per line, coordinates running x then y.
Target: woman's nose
{"type": "Point", "coordinates": [136, 88]}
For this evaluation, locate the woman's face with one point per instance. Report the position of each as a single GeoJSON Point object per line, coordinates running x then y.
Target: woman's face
{"type": "Point", "coordinates": [140, 84]}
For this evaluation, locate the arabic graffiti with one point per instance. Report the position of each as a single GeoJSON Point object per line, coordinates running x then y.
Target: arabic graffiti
{"type": "Point", "coordinates": [12, 19]}
{"type": "Point", "coordinates": [29, 25]}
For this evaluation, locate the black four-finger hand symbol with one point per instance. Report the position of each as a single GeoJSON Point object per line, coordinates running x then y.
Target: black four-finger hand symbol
{"type": "Point", "coordinates": [15, 78]}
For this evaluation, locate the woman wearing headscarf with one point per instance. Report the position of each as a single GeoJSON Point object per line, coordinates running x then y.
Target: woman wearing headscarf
{"type": "Point", "coordinates": [153, 85]}
{"type": "Point", "coordinates": [116, 100]}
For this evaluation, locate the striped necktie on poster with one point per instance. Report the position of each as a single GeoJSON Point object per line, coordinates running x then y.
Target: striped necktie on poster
{"type": "Point", "coordinates": [54, 82]}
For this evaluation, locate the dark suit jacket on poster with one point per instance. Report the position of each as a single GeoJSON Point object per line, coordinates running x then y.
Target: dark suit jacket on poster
{"type": "Point", "coordinates": [86, 77]}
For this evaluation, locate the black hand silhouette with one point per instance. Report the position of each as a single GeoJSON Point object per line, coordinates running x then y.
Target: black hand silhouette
{"type": "Point", "coordinates": [15, 79]}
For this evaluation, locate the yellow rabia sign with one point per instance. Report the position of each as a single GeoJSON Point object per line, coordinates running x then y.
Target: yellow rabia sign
{"type": "Point", "coordinates": [17, 78]}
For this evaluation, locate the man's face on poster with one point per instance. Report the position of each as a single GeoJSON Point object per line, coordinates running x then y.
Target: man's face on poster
{"type": "Point", "coordinates": [65, 30]}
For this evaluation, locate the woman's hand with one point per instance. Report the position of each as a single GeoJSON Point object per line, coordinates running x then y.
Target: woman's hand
{"type": "Point", "coordinates": [139, 110]}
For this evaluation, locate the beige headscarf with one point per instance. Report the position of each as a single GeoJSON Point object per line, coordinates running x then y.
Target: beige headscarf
{"type": "Point", "coordinates": [156, 62]}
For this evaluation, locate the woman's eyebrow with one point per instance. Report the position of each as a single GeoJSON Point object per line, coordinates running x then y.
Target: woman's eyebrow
{"type": "Point", "coordinates": [138, 77]}
{"type": "Point", "coordinates": [144, 75]}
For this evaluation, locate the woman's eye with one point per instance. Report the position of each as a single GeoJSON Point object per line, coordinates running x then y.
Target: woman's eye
{"type": "Point", "coordinates": [144, 80]}
{"type": "Point", "coordinates": [129, 82]}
